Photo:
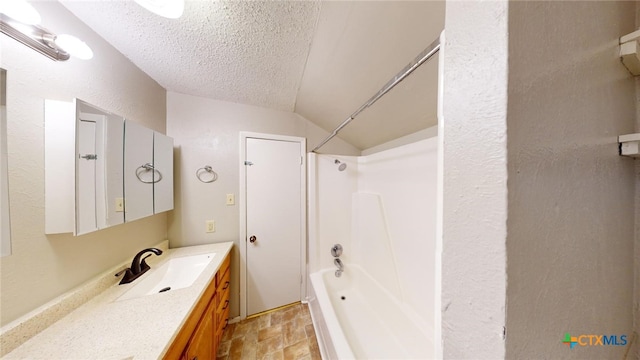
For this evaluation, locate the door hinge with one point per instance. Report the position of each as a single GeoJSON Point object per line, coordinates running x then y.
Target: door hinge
{"type": "Point", "coordinates": [249, 163]}
{"type": "Point", "coordinates": [301, 160]}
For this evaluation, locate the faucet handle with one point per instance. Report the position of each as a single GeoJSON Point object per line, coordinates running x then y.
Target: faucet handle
{"type": "Point", "coordinates": [336, 250]}
{"type": "Point", "coordinates": [128, 276]}
{"type": "Point", "coordinates": [123, 271]}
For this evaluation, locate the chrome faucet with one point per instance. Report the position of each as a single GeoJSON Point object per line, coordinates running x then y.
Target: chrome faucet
{"type": "Point", "coordinates": [340, 266]}
{"type": "Point", "coordinates": [138, 266]}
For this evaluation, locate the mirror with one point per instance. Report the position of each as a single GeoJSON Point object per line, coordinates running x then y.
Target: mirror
{"type": "Point", "coordinates": [83, 168]}
{"type": "Point", "coordinates": [5, 225]}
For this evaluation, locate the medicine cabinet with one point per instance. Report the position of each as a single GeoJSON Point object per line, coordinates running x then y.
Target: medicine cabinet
{"type": "Point", "coordinates": [83, 168]}
{"type": "Point", "coordinates": [148, 174]}
{"type": "Point", "coordinates": [86, 166]}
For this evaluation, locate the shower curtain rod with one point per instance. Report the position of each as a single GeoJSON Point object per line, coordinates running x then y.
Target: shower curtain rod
{"type": "Point", "coordinates": [424, 56]}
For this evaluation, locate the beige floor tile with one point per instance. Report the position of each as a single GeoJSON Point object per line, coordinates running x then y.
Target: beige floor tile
{"type": "Point", "coordinates": [228, 332]}
{"type": "Point", "coordinates": [284, 334]}
{"type": "Point", "coordinates": [276, 355]}
{"type": "Point", "coordinates": [235, 351]}
{"type": "Point", "coordinates": [269, 332]}
{"type": "Point", "coordinates": [276, 318]}
{"type": "Point", "coordinates": [297, 350]}
{"type": "Point", "coordinates": [292, 333]}
{"type": "Point", "coordinates": [269, 345]}
{"type": "Point", "coordinates": [308, 329]}
{"type": "Point", "coordinates": [224, 347]}
{"type": "Point", "coordinates": [314, 350]}
{"type": "Point", "coordinates": [264, 321]}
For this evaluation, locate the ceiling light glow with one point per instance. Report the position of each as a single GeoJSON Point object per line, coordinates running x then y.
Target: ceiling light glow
{"type": "Point", "coordinates": [172, 9]}
{"type": "Point", "coordinates": [21, 11]}
{"type": "Point", "coordinates": [74, 46]}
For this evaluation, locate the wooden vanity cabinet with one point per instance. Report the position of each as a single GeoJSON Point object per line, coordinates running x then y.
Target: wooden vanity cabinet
{"type": "Point", "coordinates": [201, 333]}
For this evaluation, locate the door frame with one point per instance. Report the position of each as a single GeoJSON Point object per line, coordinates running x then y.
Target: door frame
{"type": "Point", "coordinates": [244, 135]}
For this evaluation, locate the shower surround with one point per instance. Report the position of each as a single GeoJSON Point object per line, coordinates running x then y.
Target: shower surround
{"type": "Point", "coordinates": [382, 210]}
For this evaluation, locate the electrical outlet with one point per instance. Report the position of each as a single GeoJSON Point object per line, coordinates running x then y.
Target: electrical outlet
{"type": "Point", "coordinates": [119, 204]}
{"type": "Point", "coordinates": [211, 226]}
{"type": "Point", "coordinates": [231, 199]}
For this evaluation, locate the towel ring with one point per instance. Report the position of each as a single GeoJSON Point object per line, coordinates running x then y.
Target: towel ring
{"type": "Point", "coordinates": [209, 170]}
{"type": "Point", "coordinates": [148, 167]}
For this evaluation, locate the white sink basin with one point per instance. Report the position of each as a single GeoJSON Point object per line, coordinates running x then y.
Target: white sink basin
{"type": "Point", "coordinates": [176, 273]}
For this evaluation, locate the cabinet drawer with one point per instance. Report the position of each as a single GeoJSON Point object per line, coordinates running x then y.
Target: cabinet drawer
{"type": "Point", "coordinates": [223, 271]}
{"type": "Point", "coordinates": [222, 319]}
{"type": "Point", "coordinates": [222, 299]}
{"type": "Point", "coordinates": [224, 282]}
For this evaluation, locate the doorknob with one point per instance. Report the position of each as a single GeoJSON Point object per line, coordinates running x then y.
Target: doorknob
{"type": "Point", "coordinates": [252, 239]}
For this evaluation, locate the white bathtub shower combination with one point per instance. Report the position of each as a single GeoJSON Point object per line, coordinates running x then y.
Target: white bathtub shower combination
{"type": "Point", "coordinates": [382, 210]}
{"type": "Point", "coordinates": [355, 318]}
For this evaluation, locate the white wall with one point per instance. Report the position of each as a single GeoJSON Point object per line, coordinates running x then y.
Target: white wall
{"type": "Point", "coordinates": [405, 178]}
{"type": "Point", "coordinates": [475, 171]}
{"type": "Point", "coordinates": [206, 132]}
{"type": "Point", "coordinates": [43, 267]}
{"type": "Point", "coordinates": [571, 197]}
{"type": "Point", "coordinates": [330, 208]}
{"type": "Point", "coordinates": [398, 248]}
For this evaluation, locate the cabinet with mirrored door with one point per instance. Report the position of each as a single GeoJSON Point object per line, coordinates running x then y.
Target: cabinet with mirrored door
{"type": "Point", "coordinates": [89, 185]}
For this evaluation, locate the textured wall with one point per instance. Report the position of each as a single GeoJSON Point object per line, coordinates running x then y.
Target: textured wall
{"type": "Point", "coordinates": [43, 267]}
{"type": "Point", "coordinates": [571, 207]}
{"type": "Point", "coordinates": [206, 132]}
{"type": "Point", "coordinates": [475, 173]}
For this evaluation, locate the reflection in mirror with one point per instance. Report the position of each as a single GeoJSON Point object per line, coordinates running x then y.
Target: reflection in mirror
{"type": "Point", "coordinates": [5, 231]}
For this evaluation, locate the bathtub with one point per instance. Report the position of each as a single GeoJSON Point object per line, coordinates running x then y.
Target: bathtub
{"type": "Point", "coordinates": [355, 318]}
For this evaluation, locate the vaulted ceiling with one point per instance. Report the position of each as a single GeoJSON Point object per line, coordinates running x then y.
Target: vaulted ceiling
{"type": "Point", "coordinates": [322, 60]}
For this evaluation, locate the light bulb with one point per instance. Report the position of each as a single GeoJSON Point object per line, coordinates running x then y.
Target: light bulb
{"type": "Point", "coordinates": [172, 9]}
{"type": "Point", "coordinates": [20, 10]}
{"type": "Point", "coordinates": [74, 46]}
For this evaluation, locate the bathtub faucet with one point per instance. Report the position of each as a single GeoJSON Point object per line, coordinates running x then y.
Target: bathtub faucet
{"type": "Point", "coordinates": [340, 266]}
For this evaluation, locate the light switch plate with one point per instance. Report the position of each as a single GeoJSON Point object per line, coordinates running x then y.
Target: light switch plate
{"type": "Point", "coordinates": [231, 199]}
{"type": "Point", "coordinates": [119, 204]}
{"type": "Point", "coordinates": [211, 226]}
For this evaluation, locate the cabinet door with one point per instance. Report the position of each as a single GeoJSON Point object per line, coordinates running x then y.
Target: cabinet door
{"type": "Point", "coordinates": [139, 174]}
{"type": "Point", "coordinates": [201, 344]}
{"type": "Point", "coordinates": [163, 163]}
{"type": "Point", "coordinates": [114, 162]}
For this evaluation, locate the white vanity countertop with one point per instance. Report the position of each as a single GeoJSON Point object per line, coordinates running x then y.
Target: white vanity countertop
{"type": "Point", "coordinates": [140, 328]}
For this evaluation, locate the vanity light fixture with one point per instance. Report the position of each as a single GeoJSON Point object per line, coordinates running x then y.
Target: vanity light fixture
{"type": "Point", "coordinates": [171, 9]}
{"type": "Point", "coordinates": [55, 47]}
{"type": "Point", "coordinates": [21, 11]}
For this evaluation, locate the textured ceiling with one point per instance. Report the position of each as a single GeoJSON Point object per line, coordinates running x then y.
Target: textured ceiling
{"type": "Point", "coordinates": [246, 52]}
{"type": "Point", "coordinates": [320, 59]}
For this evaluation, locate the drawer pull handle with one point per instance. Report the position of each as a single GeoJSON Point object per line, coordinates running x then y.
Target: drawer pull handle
{"type": "Point", "coordinates": [226, 322]}
{"type": "Point", "coordinates": [226, 304]}
{"type": "Point", "coordinates": [226, 285]}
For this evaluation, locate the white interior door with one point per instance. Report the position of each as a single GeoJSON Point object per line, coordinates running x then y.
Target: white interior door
{"type": "Point", "coordinates": [274, 223]}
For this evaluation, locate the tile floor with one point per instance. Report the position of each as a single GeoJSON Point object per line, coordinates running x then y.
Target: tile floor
{"type": "Point", "coordinates": [285, 334]}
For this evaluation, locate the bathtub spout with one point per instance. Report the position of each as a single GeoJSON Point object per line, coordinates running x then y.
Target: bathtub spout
{"type": "Point", "coordinates": [340, 266]}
